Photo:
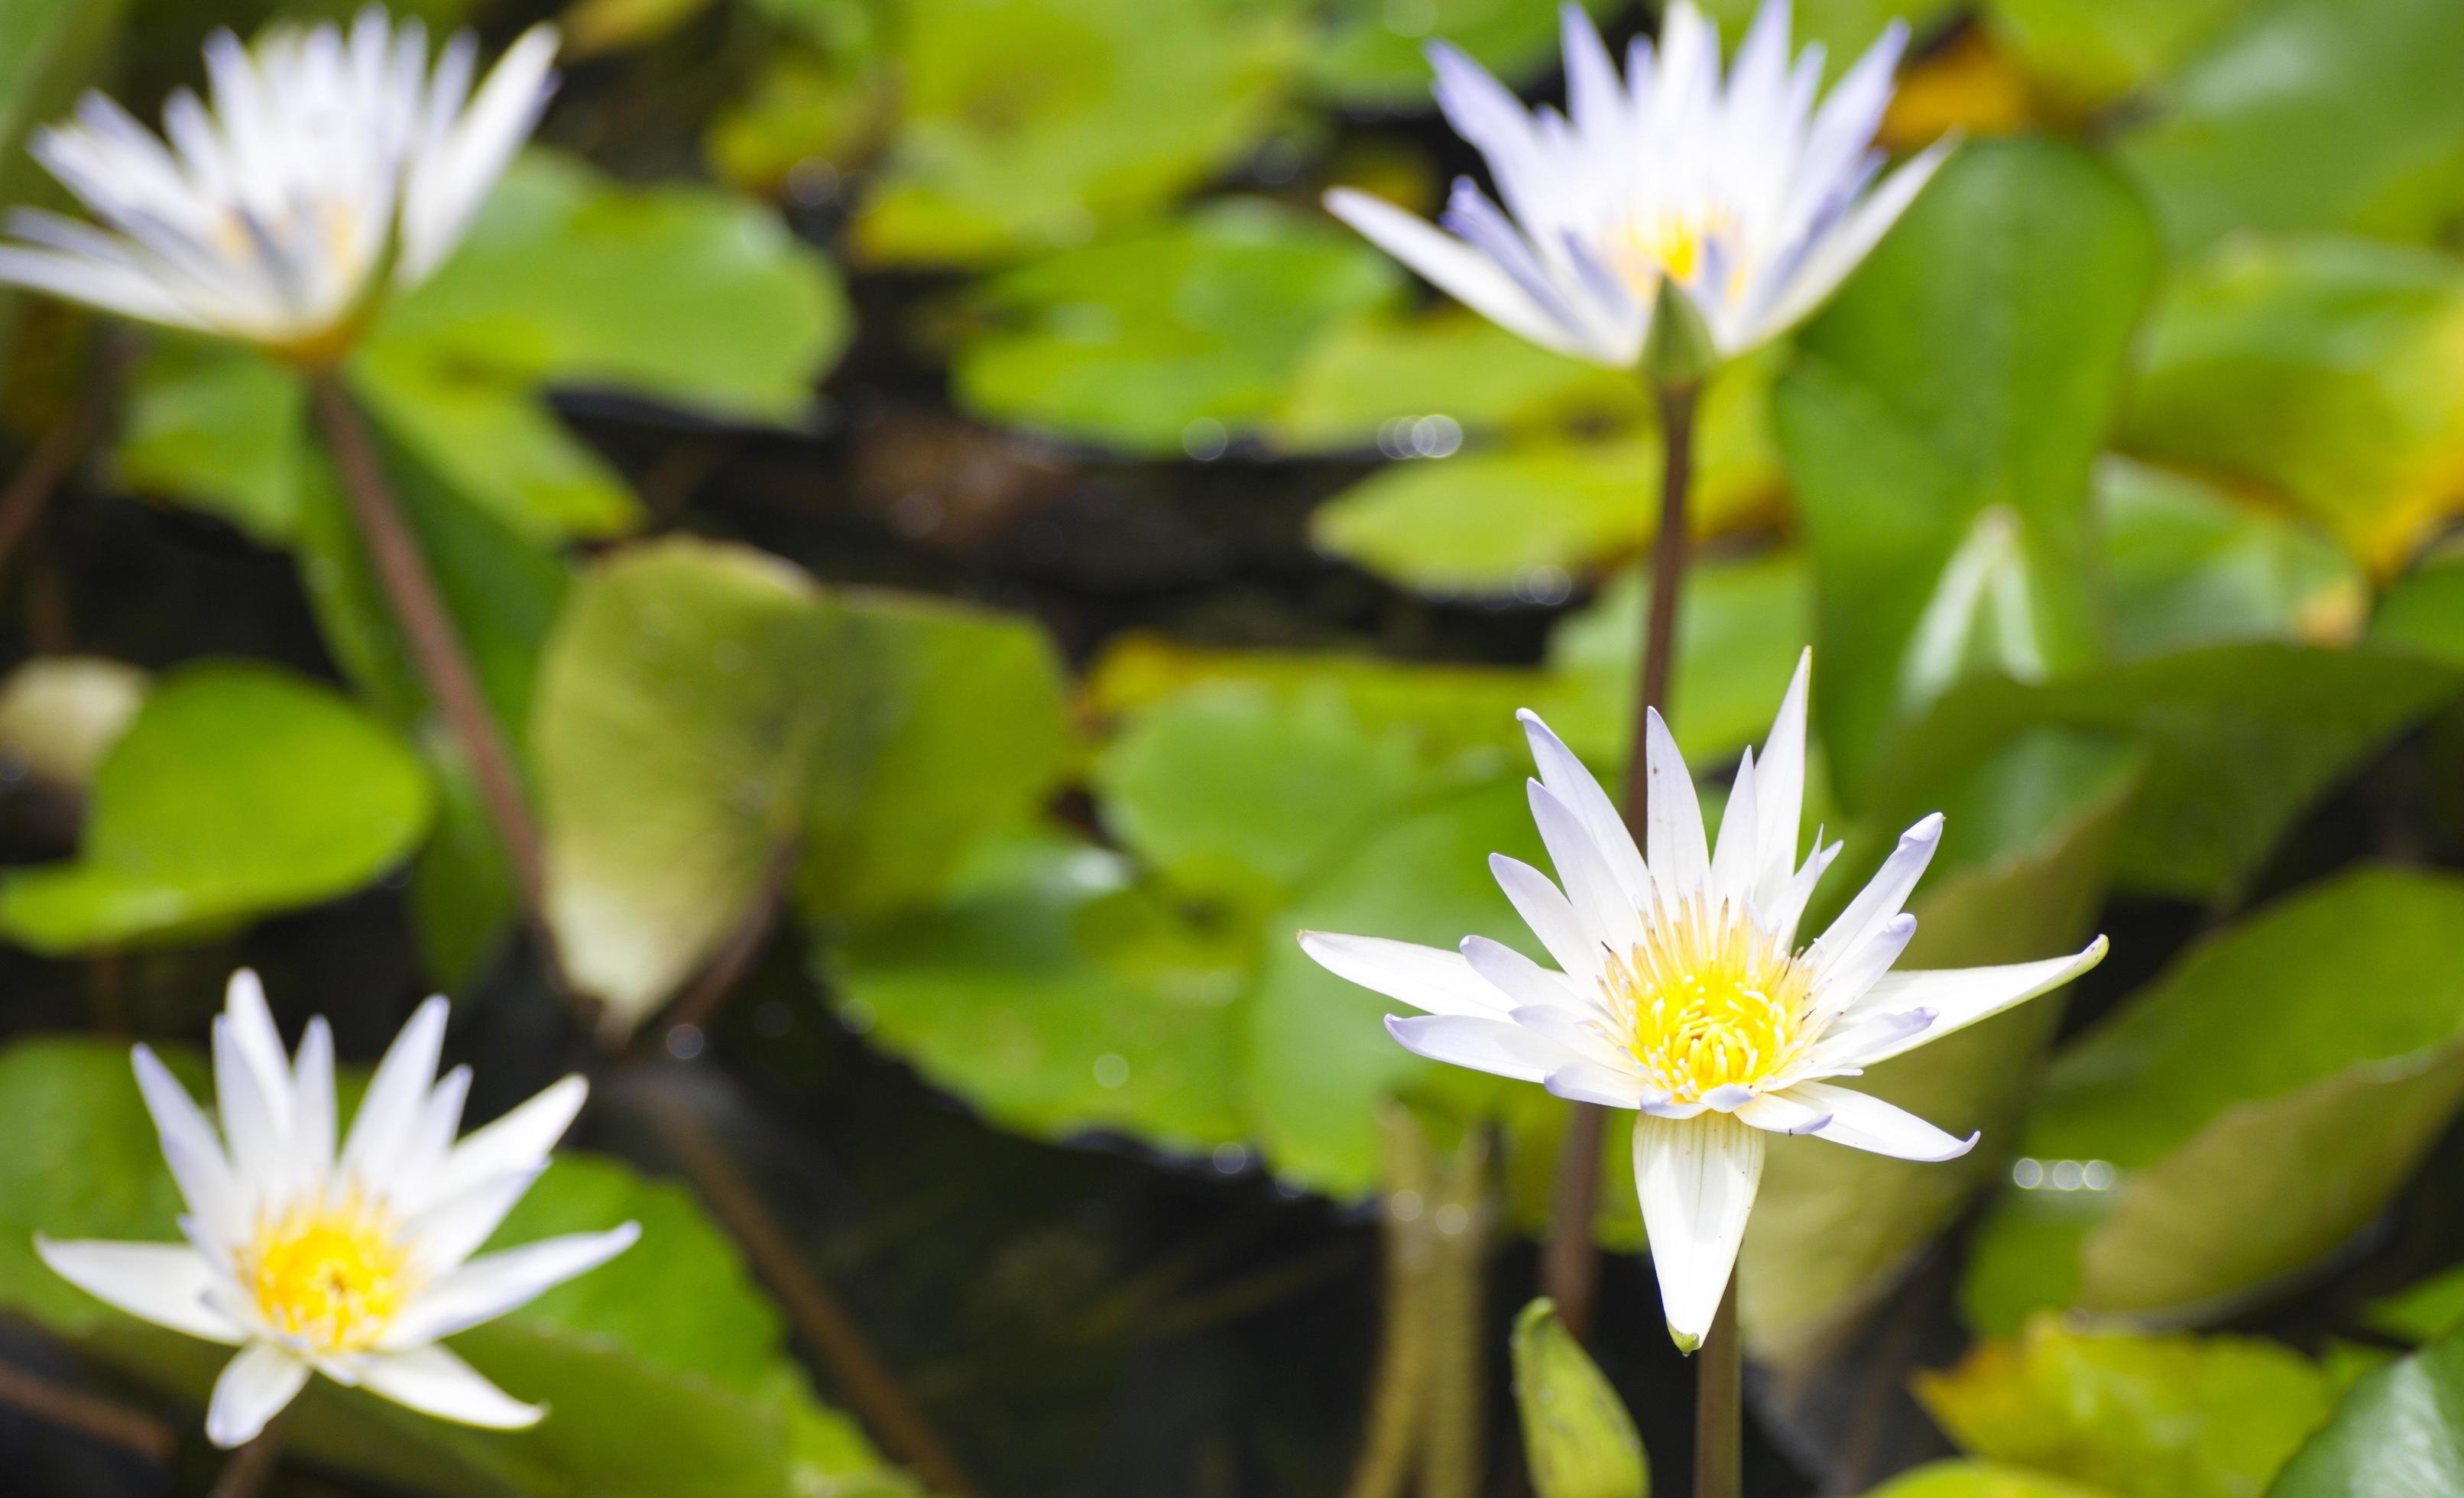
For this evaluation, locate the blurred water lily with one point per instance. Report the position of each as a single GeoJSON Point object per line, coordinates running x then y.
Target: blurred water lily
{"type": "Point", "coordinates": [1745, 197]}
{"type": "Point", "coordinates": [350, 1264]}
{"type": "Point", "coordinates": [327, 169]}
{"type": "Point", "coordinates": [1680, 991]}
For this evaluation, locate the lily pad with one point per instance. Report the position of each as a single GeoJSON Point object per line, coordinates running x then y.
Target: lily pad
{"type": "Point", "coordinates": [2140, 1417]}
{"type": "Point", "coordinates": [2311, 115]}
{"type": "Point", "coordinates": [1139, 341]}
{"type": "Point", "coordinates": [2190, 566]}
{"type": "Point", "coordinates": [239, 791]}
{"type": "Point", "coordinates": [2327, 374]}
{"type": "Point", "coordinates": [665, 1370]}
{"type": "Point", "coordinates": [1374, 53]}
{"type": "Point", "coordinates": [1035, 124]}
{"type": "Point", "coordinates": [2087, 54]}
{"type": "Point", "coordinates": [1941, 429]}
{"type": "Point", "coordinates": [2243, 1115]}
{"type": "Point", "coordinates": [2397, 1435]}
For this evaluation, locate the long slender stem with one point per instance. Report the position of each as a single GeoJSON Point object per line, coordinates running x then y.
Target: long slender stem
{"type": "Point", "coordinates": [29, 489]}
{"type": "Point", "coordinates": [817, 1315]}
{"type": "Point", "coordinates": [1570, 1266]}
{"type": "Point", "coordinates": [703, 1001]}
{"type": "Point", "coordinates": [1457, 1462]}
{"type": "Point", "coordinates": [1719, 1406]}
{"type": "Point", "coordinates": [251, 1466]}
{"type": "Point", "coordinates": [1398, 1390]}
{"type": "Point", "coordinates": [435, 644]}
{"type": "Point", "coordinates": [95, 1418]}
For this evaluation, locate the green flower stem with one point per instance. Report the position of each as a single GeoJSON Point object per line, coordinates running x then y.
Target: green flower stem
{"type": "Point", "coordinates": [1569, 1267]}
{"type": "Point", "coordinates": [1457, 1421]}
{"type": "Point", "coordinates": [1390, 1448]}
{"type": "Point", "coordinates": [436, 645]}
{"type": "Point", "coordinates": [1719, 1405]}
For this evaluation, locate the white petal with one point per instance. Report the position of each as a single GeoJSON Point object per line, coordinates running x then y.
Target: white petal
{"type": "Point", "coordinates": [450, 181]}
{"type": "Point", "coordinates": [161, 1283]}
{"type": "Point", "coordinates": [1456, 269]}
{"type": "Point", "coordinates": [1593, 97]}
{"type": "Point", "coordinates": [1493, 1046]}
{"type": "Point", "coordinates": [1780, 794]}
{"type": "Point", "coordinates": [1733, 853]}
{"type": "Point", "coordinates": [260, 1043]}
{"type": "Point", "coordinates": [1866, 1123]}
{"type": "Point", "coordinates": [252, 1390]}
{"type": "Point", "coordinates": [1697, 1179]}
{"type": "Point", "coordinates": [1849, 242]}
{"type": "Point", "coordinates": [1575, 1036]}
{"type": "Point", "coordinates": [1783, 1112]}
{"type": "Point", "coordinates": [312, 1099]}
{"type": "Point", "coordinates": [390, 1109]}
{"type": "Point", "coordinates": [1841, 981]}
{"type": "Point", "coordinates": [1679, 862]}
{"type": "Point", "coordinates": [1429, 979]}
{"type": "Point", "coordinates": [1882, 895]}
{"type": "Point", "coordinates": [191, 1149]}
{"type": "Point", "coordinates": [260, 1147]}
{"type": "Point", "coordinates": [487, 1287]}
{"type": "Point", "coordinates": [1551, 919]}
{"type": "Point", "coordinates": [1572, 782]}
{"type": "Point", "coordinates": [1590, 1082]}
{"type": "Point", "coordinates": [518, 1140]}
{"type": "Point", "coordinates": [1960, 997]}
{"type": "Point", "coordinates": [434, 1381]}
{"type": "Point", "coordinates": [1599, 900]}
{"type": "Point", "coordinates": [450, 1231]}
{"type": "Point", "coordinates": [1523, 981]}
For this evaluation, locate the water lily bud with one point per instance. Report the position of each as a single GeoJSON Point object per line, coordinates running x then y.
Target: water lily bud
{"type": "Point", "coordinates": [1576, 1434]}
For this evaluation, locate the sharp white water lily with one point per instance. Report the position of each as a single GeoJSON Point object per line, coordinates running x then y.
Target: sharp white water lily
{"type": "Point", "coordinates": [326, 169]}
{"type": "Point", "coordinates": [351, 1265]}
{"type": "Point", "coordinates": [1680, 991]}
{"type": "Point", "coordinates": [1747, 197]}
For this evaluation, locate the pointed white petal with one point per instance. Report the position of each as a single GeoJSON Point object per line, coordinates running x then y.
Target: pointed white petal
{"type": "Point", "coordinates": [1733, 853]}
{"type": "Point", "coordinates": [518, 1140]}
{"type": "Point", "coordinates": [1679, 862]}
{"type": "Point", "coordinates": [260, 1154]}
{"type": "Point", "coordinates": [1783, 1112]}
{"type": "Point", "coordinates": [487, 1287]}
{"type": "Point", "coordinates": [259, 1045]}
{"type": "Point", "coordinates": [1780, 794]}
{"type": "Point", "coordinates": [1959, 997]}
{"type": "Point", "coordinates": [1882, 895]}
{"type": "Point", "coordinates": [450, 1231]}
{"type": "Point", "coordinates": [1590, 1082]}
{"type": "Point", "coordinates": [434, 1381]}
{"type": "Point", "coordinates": [1575, 1036]}
{"type": "Point", "coordinates": [1428, 979]}
{"type": "Point", "coordinates": [450, 180]}
{"type": "Point", "coordinates": [1697, 1179]}
{"type": "Point", "coordinates": [1551, 919]}
{"type": "Point", "coordinates": [1849, 242]}
{"type": "Point", "coordinates": [1600, 901]}
{"type": "Point", "coordinates": [390, 1109]}
{"type": "Point", "coordinates": [1572, 782]}
{"type": "Point", "coordinates": [1865, 1122]}
{"type": "Point", "coordinates": [312, 1099]}
{"type": "Point", "coordinates": [1523, 982]}
{"type": "Point", "coordinates": [1840, 983]}
{"type": "Point", "coordinates": [253, 1389]}
{"type": "Point", "coordinates": [191, 1149]}
{"type": "Point", "coordinates": [1456, 269]}
{"type": "Point", "coordinates": [161, 1283]}
{"type": "Point", "coordinates": [1493, 1046]}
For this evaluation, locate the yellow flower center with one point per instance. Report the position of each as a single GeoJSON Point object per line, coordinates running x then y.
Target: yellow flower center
{"type": "Point", "coordinates": [1643, 252]}
{"type": "Point", "coordinates": [1707, 1001]}
{"type": "Point", "coordinates": [332, 1274]}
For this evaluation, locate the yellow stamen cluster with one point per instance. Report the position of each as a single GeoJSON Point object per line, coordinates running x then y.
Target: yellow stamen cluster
{"type": "Point", "coordinates": [1708, 1001]}
{"type": "Point", "coordinates": [1642, 252]}
{"type": "Point", "coordinates": [334, 1274]}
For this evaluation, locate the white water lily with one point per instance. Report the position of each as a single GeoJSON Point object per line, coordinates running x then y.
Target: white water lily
{"type": "Point", "coordinates": [326, 170]}
{"type": "Point", "coordinates": [1680, 991]}
{"type": "Point", "coordinates": [351, 1265]}
{"type": "Point", "coordinates": [1747, 197]}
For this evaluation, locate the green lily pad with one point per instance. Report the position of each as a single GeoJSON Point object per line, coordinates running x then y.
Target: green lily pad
{"type": "Point", "coordinates": [2192, 567]}
{"type": "Point", "coordinates": [1141, 340]}
{"type": "Point", "coordinates": [1034, 124]}
{"type": "Point", "coordinates": [664, 1369]}
{"type": "Point", "coordinates": [2140, 1417]}
{"type": "Point", "coordinates": [1982, 1480]}
{"type": "Point", "coordinates": [1530, 517]}
{"type": "Point", "coordinates": [2424, 612]}
{"type": "Point", "coordinates": [1942, 429]}
{"type": "Point", "coordinates": [2087, 54]}
{"type": "Point", "coordinates": [2328, 374]}
{"type": "Point", "coordinates": [2244, 1114]}
{"type": "Point", "coordinates": [2397, 1434]}
{"type": "Point", "coordinates": [2311, 115]}
{"type": "Point", "coordinates": [239, 791]}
